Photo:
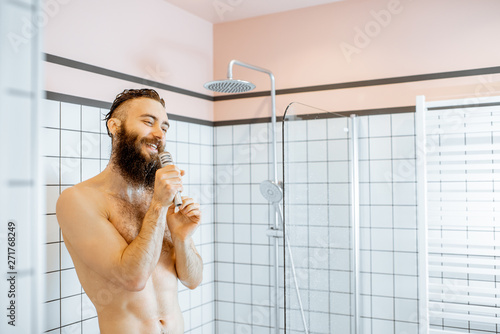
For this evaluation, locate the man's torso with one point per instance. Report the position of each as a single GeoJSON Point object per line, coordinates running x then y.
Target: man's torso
{"type": "Point", "coordinates": [155, 309]}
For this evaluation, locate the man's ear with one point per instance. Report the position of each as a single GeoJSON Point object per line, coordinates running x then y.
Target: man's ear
{"type": "Point", "coordinates": [114, 125]}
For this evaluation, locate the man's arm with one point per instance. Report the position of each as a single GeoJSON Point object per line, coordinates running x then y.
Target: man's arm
{"type": "Point", "coordinates": [188, 263]}
{"type": "Point", "coordinates": [182, 225]}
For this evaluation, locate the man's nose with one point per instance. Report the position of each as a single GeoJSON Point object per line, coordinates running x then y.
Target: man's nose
{"type": "Point", "coordinates": [158, 132]}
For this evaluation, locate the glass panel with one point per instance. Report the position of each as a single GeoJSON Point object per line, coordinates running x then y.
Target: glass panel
{"type": "Point", "coordinates": [317, 252]}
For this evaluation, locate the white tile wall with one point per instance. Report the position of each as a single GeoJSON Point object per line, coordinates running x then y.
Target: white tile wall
{"type": "Point", "coordinates": [70, 116]}
{"type": "Point", "coordinates": [242, 218]}
{"type": "Point", "coordinates": [76, 148]}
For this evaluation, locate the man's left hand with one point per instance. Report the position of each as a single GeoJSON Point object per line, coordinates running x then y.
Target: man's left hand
{"type": "Point", "coordinates": [183, 223]}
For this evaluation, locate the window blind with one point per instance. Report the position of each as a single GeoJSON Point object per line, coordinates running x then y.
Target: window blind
{"type": "Point", "coordinates": [459, 215]}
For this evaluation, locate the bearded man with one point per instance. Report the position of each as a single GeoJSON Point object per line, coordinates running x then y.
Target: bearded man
{"type": "Point", "coordinates": [129, 243]}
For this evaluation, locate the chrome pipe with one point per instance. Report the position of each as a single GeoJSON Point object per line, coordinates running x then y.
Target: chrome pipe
{"type": "Point", "coordinates": [275, 175]}
{"type": "Point", "coordinates": [273, 110]}
{"type": "Point", "coordinates": [354, 179]}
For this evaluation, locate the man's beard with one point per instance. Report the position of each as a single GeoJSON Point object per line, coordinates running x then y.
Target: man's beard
{"type": "Point", "coordinates": [127, 155]}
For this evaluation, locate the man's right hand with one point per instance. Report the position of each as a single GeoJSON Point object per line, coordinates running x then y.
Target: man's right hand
{"type": "Point", "coordinates": [167, 183]}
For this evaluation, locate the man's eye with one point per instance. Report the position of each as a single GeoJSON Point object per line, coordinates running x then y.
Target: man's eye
{"type": "Point", "coordinates": [148, 123]}
{"type": "Point", "coordinates": [164, 130]}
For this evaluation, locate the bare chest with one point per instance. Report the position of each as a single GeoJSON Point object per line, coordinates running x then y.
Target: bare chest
{"type": "Point", "coordinates": [128, 218]}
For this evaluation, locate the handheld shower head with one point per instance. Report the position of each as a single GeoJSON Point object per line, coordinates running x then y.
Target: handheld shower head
{"type": "Point", "coordinates": [229, 86]}
{"type": "Point", "coordinates": [274, 194]}
{"type": "Point", "coordinates": [271, 191]}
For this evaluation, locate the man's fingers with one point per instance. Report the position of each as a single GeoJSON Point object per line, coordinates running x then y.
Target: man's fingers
{"type": "Point", "coordinates": [195, 216]}
{"type": "Point", "coordinates": [190, 208]}
{"type": "Point", "coordinates": [193, 213]}
{"type": "Point", "coordinates": [171, 174]}
{"type": "Point", "coordinates": [170, 171]}
{"type": "Point", "coordinates": [186, 201]}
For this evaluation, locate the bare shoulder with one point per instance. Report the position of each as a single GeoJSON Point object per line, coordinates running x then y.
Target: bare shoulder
{"type": "Point", "coordinates": [83, 198]}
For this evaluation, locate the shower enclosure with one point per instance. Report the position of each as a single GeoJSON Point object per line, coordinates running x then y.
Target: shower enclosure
{"type": "Point", "coordinates": [320, 215]}
{"type": "Point", "coordinates": [350, 227]}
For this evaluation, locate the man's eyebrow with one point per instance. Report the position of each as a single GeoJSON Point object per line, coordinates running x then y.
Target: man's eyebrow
{"type": "Point", "coordinates": [155, 118]}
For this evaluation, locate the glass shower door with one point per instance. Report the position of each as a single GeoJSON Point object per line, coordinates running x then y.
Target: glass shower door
{"type": "Point", "coordinates": [319, 280]}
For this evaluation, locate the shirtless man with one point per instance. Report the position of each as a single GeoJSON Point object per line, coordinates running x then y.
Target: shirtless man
{"type": "Point", "coordinates": [128, 243]}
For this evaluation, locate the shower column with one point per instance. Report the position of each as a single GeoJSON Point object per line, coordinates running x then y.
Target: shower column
{"type": "Point", "coordinates": [238, 86]}
{"type": "Point", "coordinates": [354, 180]}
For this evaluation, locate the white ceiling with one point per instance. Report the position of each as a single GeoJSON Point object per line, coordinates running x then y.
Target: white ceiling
{"type": "Point", "coordinates": [217, 11]}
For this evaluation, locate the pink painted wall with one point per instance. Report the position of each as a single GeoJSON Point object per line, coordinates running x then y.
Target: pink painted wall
{"type": "Point", "coordinates": [340, 42]}
{"type": "Point", "coordinates": [360, 40]}
{"type": "Point", "coordinates": [150, 39]}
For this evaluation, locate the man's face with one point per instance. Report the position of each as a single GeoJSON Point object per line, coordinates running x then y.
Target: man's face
{"type": "Point", "coordinates": [147, 119]}
{"type": "Point", "coordinates": [139, 139]}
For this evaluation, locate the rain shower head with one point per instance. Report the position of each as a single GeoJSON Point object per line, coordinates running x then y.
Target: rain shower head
{"type": "Point", "coordinates": [229, 86]}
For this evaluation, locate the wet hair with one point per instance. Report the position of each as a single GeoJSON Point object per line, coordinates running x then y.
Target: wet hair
{"type": "Point", "coordinates": [129, 94]}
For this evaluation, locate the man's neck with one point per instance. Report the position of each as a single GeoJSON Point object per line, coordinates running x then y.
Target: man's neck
{"type": "Point", "coordinates": [119, 186]}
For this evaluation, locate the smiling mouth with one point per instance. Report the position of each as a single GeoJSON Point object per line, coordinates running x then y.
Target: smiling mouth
{"type": "Point", "coordinates": [152, 147]}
